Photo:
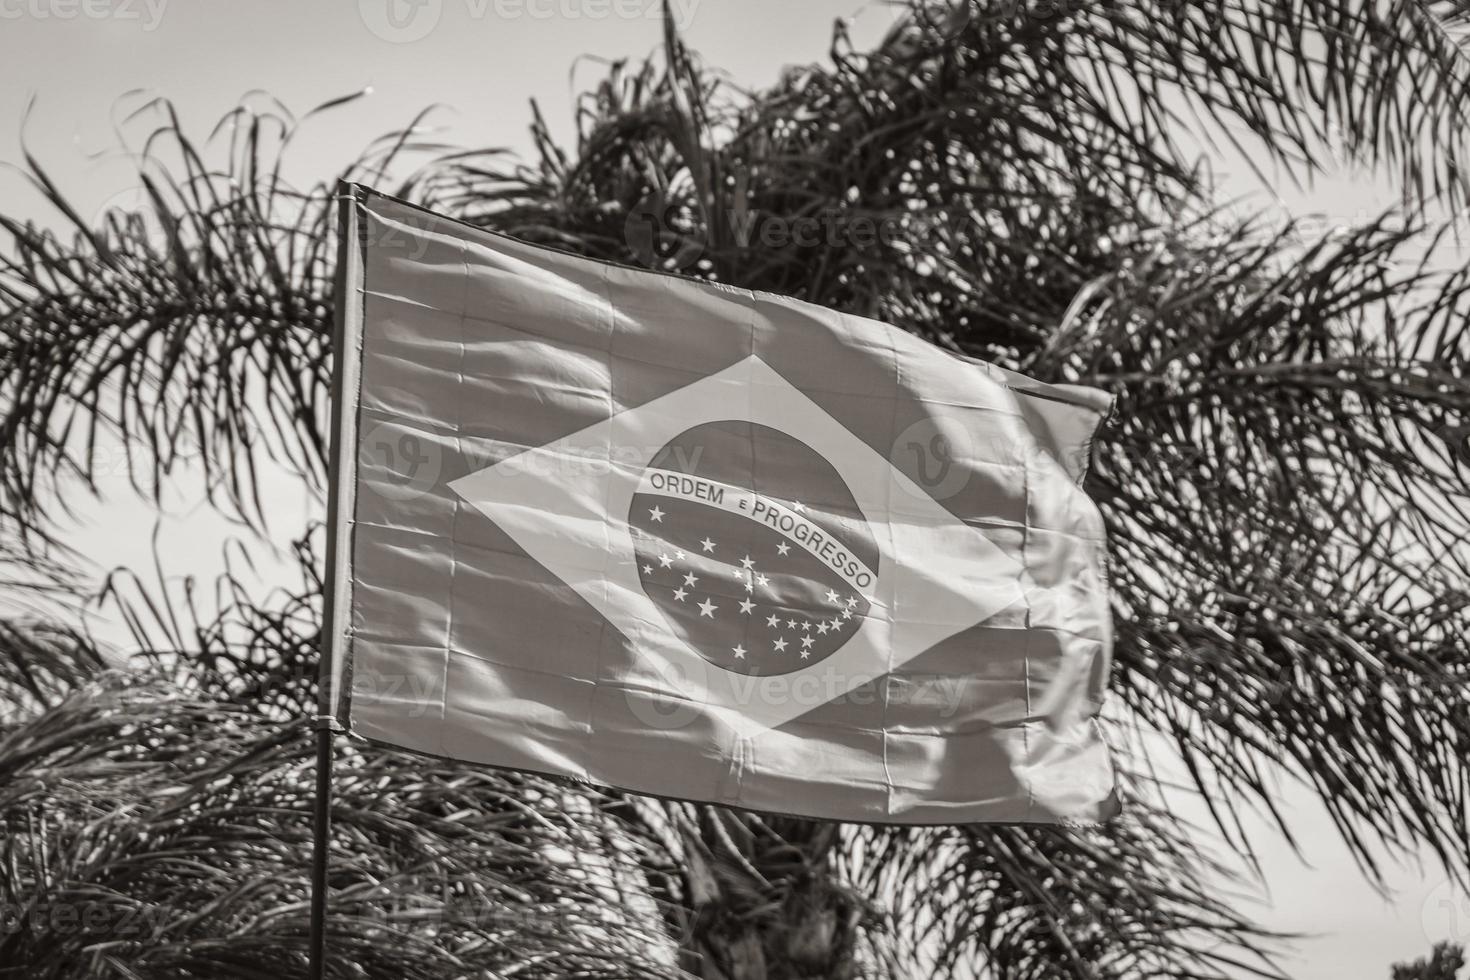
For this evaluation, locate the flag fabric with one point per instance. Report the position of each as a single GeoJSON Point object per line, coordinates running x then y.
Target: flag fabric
{"type": "Point", "coordinates": [704, 543]}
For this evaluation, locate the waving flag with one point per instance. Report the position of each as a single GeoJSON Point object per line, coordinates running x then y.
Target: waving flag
{"type": "Point", "coordinates": [703, 543]}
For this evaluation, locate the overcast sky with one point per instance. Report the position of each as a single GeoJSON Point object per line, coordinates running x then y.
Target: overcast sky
{"type": "Point", "coordinates": [482, 60]}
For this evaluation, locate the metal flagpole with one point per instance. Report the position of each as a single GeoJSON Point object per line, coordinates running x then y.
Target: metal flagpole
{"type": "Point", "coordinates": [333, 601]}
{"type": "Point", "coordinates": [321, 831]}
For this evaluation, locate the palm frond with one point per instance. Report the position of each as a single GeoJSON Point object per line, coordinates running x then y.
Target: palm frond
{"type": "Point", "coordinates": [195, 329]}
{"type": "Point", "coordinates": [40, 664]}
{"type": "Point", "coordinates": [150, 832]}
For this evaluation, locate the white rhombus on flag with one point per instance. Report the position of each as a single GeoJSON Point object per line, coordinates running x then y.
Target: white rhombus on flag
{"type": "Point", "coordinates": [692, 569]}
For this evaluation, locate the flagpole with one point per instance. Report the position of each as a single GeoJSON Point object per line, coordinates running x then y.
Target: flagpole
{"type": "Point", "coordinates": [339, 507]}
{"type": "Point", "coordinates": [321, 832]}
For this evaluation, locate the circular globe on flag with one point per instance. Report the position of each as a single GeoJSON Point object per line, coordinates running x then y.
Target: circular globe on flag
{"type": "Point", "coordinates": [752, 548]}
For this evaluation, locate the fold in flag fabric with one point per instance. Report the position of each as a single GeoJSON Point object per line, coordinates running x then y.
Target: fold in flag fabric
{"type": "Point", "coordinates": [704, 543]}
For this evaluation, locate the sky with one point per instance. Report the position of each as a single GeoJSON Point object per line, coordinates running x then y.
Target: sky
{"type": "Point", "coordinates": [71, 70]}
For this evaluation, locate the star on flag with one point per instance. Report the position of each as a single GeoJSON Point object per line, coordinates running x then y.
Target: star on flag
{"type": "Point", "coordinates": [697, 563]}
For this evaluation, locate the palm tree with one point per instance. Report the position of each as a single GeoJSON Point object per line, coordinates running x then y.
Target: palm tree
{"type": "Point", "coordinates": [1286, 507]}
